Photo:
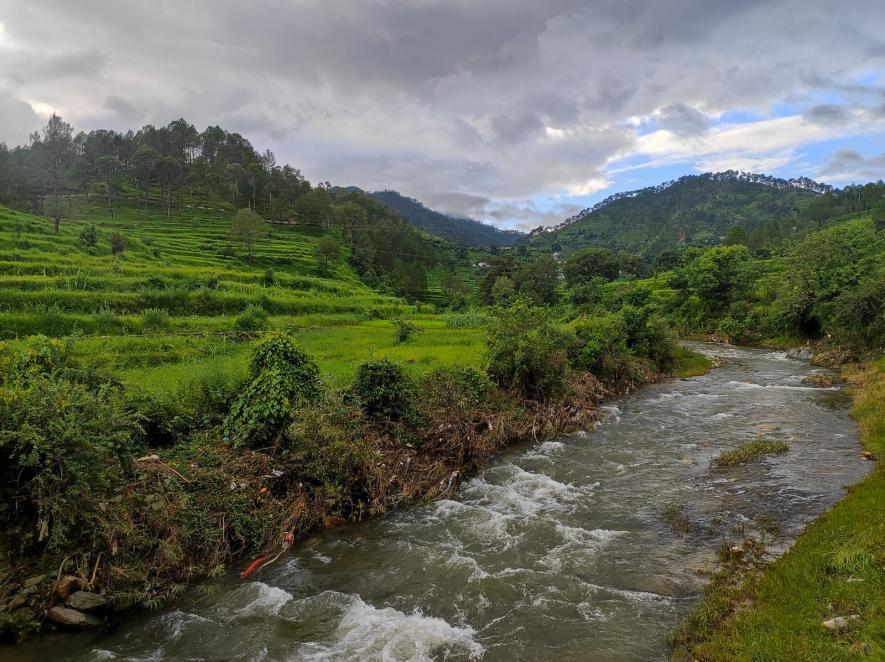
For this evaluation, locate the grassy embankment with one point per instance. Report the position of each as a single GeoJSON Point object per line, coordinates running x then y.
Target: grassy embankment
{"type": "Point", "coordinates": [836, 570]}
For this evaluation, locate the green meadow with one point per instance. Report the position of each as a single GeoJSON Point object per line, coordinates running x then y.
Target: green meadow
{"type": "Point", "coordinates": [181, 301]}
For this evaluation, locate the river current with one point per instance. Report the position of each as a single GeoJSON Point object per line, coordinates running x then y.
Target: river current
{"type": "Point", "coordinates": [589, 547]}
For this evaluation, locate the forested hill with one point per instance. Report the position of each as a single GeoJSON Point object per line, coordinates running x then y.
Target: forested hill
{"type": "Point", "coordinates": [463, 230]}
{"type": "Point", "coordinates": [692, 210]}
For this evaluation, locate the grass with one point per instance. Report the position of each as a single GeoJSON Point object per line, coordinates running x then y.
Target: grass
{"type": "Point", "coordinates": [166, 310]}
{"type": "Point", "coordinates": [691, 364]}
{"type": "Point", "coordinates": [836, 568]}
{"type": "Point", "coordinates": [752, 450]}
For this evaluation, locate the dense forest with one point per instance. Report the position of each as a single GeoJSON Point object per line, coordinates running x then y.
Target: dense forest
{"type": "Point", "coordinates": [701, 210]}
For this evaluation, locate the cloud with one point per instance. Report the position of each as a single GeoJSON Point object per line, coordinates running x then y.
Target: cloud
{"type": "Point", "coordinates": [848, 165]}
{"type": "Point", "coordinates": [515, 101]}
{"type": "Point", "coordinates": [18, 119]}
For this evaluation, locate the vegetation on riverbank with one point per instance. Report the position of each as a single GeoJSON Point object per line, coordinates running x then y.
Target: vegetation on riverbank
{"type": "Point", "coordinates": [825, 598]}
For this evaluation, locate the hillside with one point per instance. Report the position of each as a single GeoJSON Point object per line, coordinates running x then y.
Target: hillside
{"type": "Point", "coordinates": [693, 210]}
{"type": "Point", "coordinates": [461, 230]}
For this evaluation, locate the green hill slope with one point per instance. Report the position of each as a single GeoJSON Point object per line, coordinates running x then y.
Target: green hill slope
{"type": "Point", "coordinates": [696, 209]}
{"type": "Point", "coordinates": [461, 230]}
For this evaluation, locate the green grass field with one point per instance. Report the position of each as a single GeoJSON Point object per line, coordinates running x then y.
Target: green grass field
{"type": "Point", "coordinates": [164, 311]}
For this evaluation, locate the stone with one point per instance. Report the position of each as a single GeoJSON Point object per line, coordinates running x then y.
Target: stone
{"type": "Point", "coordinates": [839, 623]}
{"type": "Point", "coordinates": [33, 581]}
{"type": "Point", "coordinates": [801, 353]}
{"type": "Point", "coordinates": [67, 585]}
{"type": "Point", "coordinates": [824, 381]}
{"type": "Point", "coordinates": [84, 601]}
{"type": "Point", "coordinates": [18, 601]}
{"type": "Point", "coordinates": [72, 618]}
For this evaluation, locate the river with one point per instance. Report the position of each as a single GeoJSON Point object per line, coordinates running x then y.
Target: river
{"type": "Point", "coordinates": [589, 547]}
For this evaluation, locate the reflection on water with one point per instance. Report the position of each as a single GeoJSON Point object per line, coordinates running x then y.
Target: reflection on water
{"type": "Point", "coordinates": [561, 550]}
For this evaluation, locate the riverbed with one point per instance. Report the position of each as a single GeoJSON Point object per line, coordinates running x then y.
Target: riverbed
{"type": "Point", "coordinates": [588, 547]}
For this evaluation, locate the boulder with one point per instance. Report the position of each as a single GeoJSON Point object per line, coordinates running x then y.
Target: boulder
{"type": "Point", "coordinates": [72, 618]}
{"type": "Point", "coordinates": [67, 585]}
{"type": "Point", "coordinates": [84, 601]}
{"type": "Point", "coordinates": [33, 581]}
{"type": "Point", "coordinates": [18, 601]}
{"type": "Point", "coordinates": [801, 353]}
{"type": "Point", "coordinates": [824, 381]}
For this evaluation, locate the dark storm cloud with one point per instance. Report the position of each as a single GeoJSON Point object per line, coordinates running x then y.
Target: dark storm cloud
{"type": "Point", "coordinates": [851, 164]}
{"type": "Point", "coordinates": [503, 99]}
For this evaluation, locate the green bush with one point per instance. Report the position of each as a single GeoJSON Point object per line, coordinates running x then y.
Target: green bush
{"type": "Point", "coordinates": [405, 329]}
{"type": "Point", "coordinates": [118, 245]}
{"type": "Point", "coordinates": [460, 388]}
{"type": "Point", "coordinates": [63, 445]}
{"type": "Point", "coordinates": [89, 236]}
{"type": "Point", "coordinates": [251, 320]}
{"type": "Point", "coordinates": [527, 351]}
{"type": "Point", "coordinates": [597, 339]}
{"type": "Point", "coordinates": [384, 391]}
{"type": "Point", "coordinates": [155, 319]}
{"type": "Point", "coordinates": [283, 376]}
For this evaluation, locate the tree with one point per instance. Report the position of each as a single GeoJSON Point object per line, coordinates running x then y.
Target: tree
{"type": "Point", "coordinates": [246, 229]}
{"type": "Point", "coordinates": [118, 243]}
{"type": "Point", "coordinates": [327, 253]}
{"type": "Point", "coordinates": [144, 163]}
{"type": "Point", "coordinates": [58, 146]}
{"type": "Point", "coordinates": [590, 263]}
{"type": "Point", "coordinates": [736, 236]}
{"type": "Point", "coordinates": [539, 280]}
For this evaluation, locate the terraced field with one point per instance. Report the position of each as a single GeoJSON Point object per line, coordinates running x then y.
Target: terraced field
{"type": "Point", "coordinates": [181, 300]}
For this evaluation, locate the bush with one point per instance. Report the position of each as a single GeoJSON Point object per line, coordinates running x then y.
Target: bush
{"type": "Point", "coordinates": [384, 391]}
{"type": "Point", "coordinates": [405, 329]}
{"type": "Point", "coordinates": [155, 319]}
{"type": "Point", "coordinates": [251, 320]}
{"type": "Point", "coordinates": [118, 245]}
{"type": "Point", "coordinates": [282, 376]}
{"type": "Point", "coordinates": [597, 339]}
{"type": "Point", "coordinates": [63, 445]}
{"type": "Point", "coordinates": [460, 388]}
{"type": "Point", "coordinates": [527, 351]}
{"type": "Point", "coordinates": [269, 278]}
{"type": "Point", "coordinates": [89, 236]}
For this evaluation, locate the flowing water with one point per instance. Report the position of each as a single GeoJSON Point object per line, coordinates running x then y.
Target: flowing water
{"type": "Point", "coordinates": [588, 547]}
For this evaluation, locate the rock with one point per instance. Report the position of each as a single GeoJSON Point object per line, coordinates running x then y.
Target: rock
{"type": "Point", "coordinates": [18, 601]}
{"type": "Point", "coordinates": [67, 585]}
{"type": "Point", "coordinates": [839, 623]}
{"type": "Point", "coordinates": [824, 381]}
{"type": "Point", "coordinates": [870, 457]}
{"type": "Point", "coordinates": [801, 353]}
{"type": "Point", "coordinates": [84, 601]}
{"type": "Point", "coordinates": [33, 581]}
{"type": "Point", "coordinates": [72, 618]}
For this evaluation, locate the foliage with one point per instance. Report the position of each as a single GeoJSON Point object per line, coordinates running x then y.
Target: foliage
{"type": "Point", "coordinates": [118, 243]}
{"type": "Point", "coordinates": [538, 280]}
{"type": "Point", "coordinates": [590, 263]}
{"type": "Point", "coordinates": [384, 391]}
{"type": "Point", "coordinates": [527, 351]}
{"type": "Point", "coordinates": [283, 377]}
{"type": "Point", "coordinates": [246, 229]}
{"type": "Point", "coordinates": [751, 450]}
{"type": "Point", "coordinates": [405, 329]}
{"type": "Point", "coordinates": [464, 389]}
{"type": "Point", "coordinates": [327, 253]}
{"type": "Point", "coordinates": [155, 319]}
{"type": "Point", "coordinates": [251, 320]}
{"type": "Point", "coordinates": [89, 236]}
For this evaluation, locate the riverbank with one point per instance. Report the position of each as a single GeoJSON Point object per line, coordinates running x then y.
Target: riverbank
{"type": "Point", "coordinates": [193, 510]}
{"type": "Point", "coordinates": [825, 598]}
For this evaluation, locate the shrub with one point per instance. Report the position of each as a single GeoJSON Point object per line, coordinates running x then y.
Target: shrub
{"type": "Point", "coordinates": [269, 278]}
{"type": "Point", "coordinates": [282, 377]}
{"type": "Point", "coordinates": [118, 245]}
{"type": "Point", "coordinates": [405, 329]}
{"type": "Point", "coordinates": [597, 338]}
{"type": "Point", "coordinates": [251, 320]}
{"type": "Point", "coordinates": [89, 236]}
{"type": "Point", "coordinates": [527, 351]}
{"type": "Point", "coordinates": [63, 445]}
{"type": "Point", "coordinates": [155, 319]}
{"type": "Point", "coordinates": [460, 388]}
{"type": "Point", "coordinates": [749, 451]}
{"type": "Point", "coordinates": [384, 391]}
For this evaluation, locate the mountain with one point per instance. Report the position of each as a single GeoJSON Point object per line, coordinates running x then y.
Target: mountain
{"type": "Point", "coordinates": [464, 230]}
{"type": "Point", "coordinates": [695, 209]}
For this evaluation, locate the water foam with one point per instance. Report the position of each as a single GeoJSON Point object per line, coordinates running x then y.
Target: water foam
{"type": "Point", "coordinates": [369, 633]}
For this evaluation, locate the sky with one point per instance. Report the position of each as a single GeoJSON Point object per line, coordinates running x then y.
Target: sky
{"type": "Point", "coordinates": [515, 112]}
